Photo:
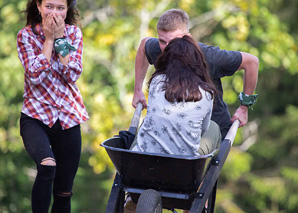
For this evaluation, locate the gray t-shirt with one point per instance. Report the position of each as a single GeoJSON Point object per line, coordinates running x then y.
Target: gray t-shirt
{"type": "Point", "coordinates": [173, 128]}
{"type": "Point", "coordinates": [221, 63]}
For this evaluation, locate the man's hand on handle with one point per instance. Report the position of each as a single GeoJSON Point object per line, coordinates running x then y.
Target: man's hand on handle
{"type": "Point", "coordinates": [139, 97]}
{"type": "Point", "coordinates": [241, 114]}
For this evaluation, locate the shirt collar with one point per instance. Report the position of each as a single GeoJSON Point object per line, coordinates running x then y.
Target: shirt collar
{"type": "Point", "coordinates": [39, 30]}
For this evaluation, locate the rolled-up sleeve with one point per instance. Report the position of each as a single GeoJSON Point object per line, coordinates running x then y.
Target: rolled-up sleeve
{"type": "Point", "coordinates": [73, 70]}
{"type": "Point", "coordinates": [35, 64]}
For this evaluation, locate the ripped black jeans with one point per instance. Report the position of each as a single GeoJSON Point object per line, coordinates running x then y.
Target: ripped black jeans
{"type": "Point", "coordinates": [61, 147]}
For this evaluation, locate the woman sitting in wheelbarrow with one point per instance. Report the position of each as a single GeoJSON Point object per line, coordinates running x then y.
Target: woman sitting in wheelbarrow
{"type": "Point", "coordinates": [180, 103]}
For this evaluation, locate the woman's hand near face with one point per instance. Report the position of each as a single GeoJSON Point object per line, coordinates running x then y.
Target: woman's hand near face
{"type": "Point", "coordinates": [49, 27]}
{"type": "Point", "coordinates": [59, 32]}
{"type": "Point", "coordinates": [49, 33]}
{"type": "Point", "coordinates": [59, 25]}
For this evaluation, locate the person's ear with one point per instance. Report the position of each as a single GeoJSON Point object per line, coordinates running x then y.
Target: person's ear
{"type": "Point", "coordinates": [38, 6]}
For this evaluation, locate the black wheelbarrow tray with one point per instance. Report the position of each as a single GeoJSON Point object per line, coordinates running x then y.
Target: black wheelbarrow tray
{"type": "Point", "coordinates": [183, 182]}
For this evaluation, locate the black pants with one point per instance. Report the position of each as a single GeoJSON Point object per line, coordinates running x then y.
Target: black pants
{"type": "Point", "coordinates": [61, 146]}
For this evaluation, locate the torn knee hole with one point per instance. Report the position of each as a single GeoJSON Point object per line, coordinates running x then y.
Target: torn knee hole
{"type": "Point", "coordinates": [48, 162]}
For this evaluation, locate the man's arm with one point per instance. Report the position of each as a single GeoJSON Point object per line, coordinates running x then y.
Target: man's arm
{"type": "Point", "coordinates": [250, 64]}
{"type": "Point", "coordinates": [141, 66]}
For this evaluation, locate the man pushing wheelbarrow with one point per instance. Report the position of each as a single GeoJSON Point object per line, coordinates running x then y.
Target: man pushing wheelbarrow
{"type": "Point", "coordinates": [186, 119]}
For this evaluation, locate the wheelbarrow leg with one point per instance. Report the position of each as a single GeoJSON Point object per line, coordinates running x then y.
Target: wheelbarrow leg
{"type": "Point", "coordinates": [212, 198]}
{"type": "Point", "coordinates": [116, 199]}
{"type": "Point", "coordinates": [209, 184]}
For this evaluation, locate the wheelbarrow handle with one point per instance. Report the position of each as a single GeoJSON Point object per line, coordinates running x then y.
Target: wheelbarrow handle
{"type": "Point", "coordinates": [136, 117]}
{"type": "Point", "coordinates": [232, 131]}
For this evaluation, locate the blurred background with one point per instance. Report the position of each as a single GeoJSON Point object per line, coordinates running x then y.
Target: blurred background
{"type": "Point", "coordinates": [261, 173]}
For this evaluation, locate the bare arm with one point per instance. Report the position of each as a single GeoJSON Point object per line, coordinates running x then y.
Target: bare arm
{"type": "Point", "coordinates": [48, 29]}
{"type": "Point", "coordinates": [141, 66]}
{"type": "Point", "coordinates": [250, 64]}
{"type": "Point", "coordinates": [59, 25]}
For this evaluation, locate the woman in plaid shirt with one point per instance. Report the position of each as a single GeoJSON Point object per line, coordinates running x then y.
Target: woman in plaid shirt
{"type": "Point", "coordinates": [50, 50]}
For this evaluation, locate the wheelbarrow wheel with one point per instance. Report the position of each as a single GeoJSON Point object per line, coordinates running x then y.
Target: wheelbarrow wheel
{"type": "Point", "coordinates": [149, 202]}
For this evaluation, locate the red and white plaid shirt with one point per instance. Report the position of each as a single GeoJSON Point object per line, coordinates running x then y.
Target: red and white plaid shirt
{"type": "Point", "coordinates": [50, 90]}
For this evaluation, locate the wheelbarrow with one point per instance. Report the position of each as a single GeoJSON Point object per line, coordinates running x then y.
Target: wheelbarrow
{"type": "Point", "coordinates": [156, 181]}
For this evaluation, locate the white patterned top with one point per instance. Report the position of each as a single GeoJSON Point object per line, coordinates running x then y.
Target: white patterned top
{"type": "Point", "coordinates": [173, 128]}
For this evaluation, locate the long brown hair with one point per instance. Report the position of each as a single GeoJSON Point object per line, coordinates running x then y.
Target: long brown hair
{"type": "Point", "coordinates": [33, 17]}
{"type": "Point", "coordinates": [185, 69]}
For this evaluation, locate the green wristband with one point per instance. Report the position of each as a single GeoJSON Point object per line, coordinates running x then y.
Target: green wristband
{"type": "Point", "coordinates": [247, 100]}
{"type": "Point", "coordinates": [62, 46]}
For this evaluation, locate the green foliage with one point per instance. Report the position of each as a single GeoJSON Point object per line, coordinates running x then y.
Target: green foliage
{"type": "Point", "coordinates": [260, 174]}
{"type": "Point", "coordinates": [238, 164]}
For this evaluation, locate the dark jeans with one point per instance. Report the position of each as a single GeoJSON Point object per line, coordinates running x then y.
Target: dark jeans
{"type": "Point", "coordinates": [64, 147]}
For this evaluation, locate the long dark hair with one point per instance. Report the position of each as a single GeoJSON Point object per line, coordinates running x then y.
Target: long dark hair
{"type": "Point", "coordinates": [33, 17]}
{"type": "Point", "coordinates": [186, 70]}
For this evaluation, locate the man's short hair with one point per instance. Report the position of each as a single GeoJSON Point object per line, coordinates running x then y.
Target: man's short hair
{"type": "Point", "coordinates": [172, 20]}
